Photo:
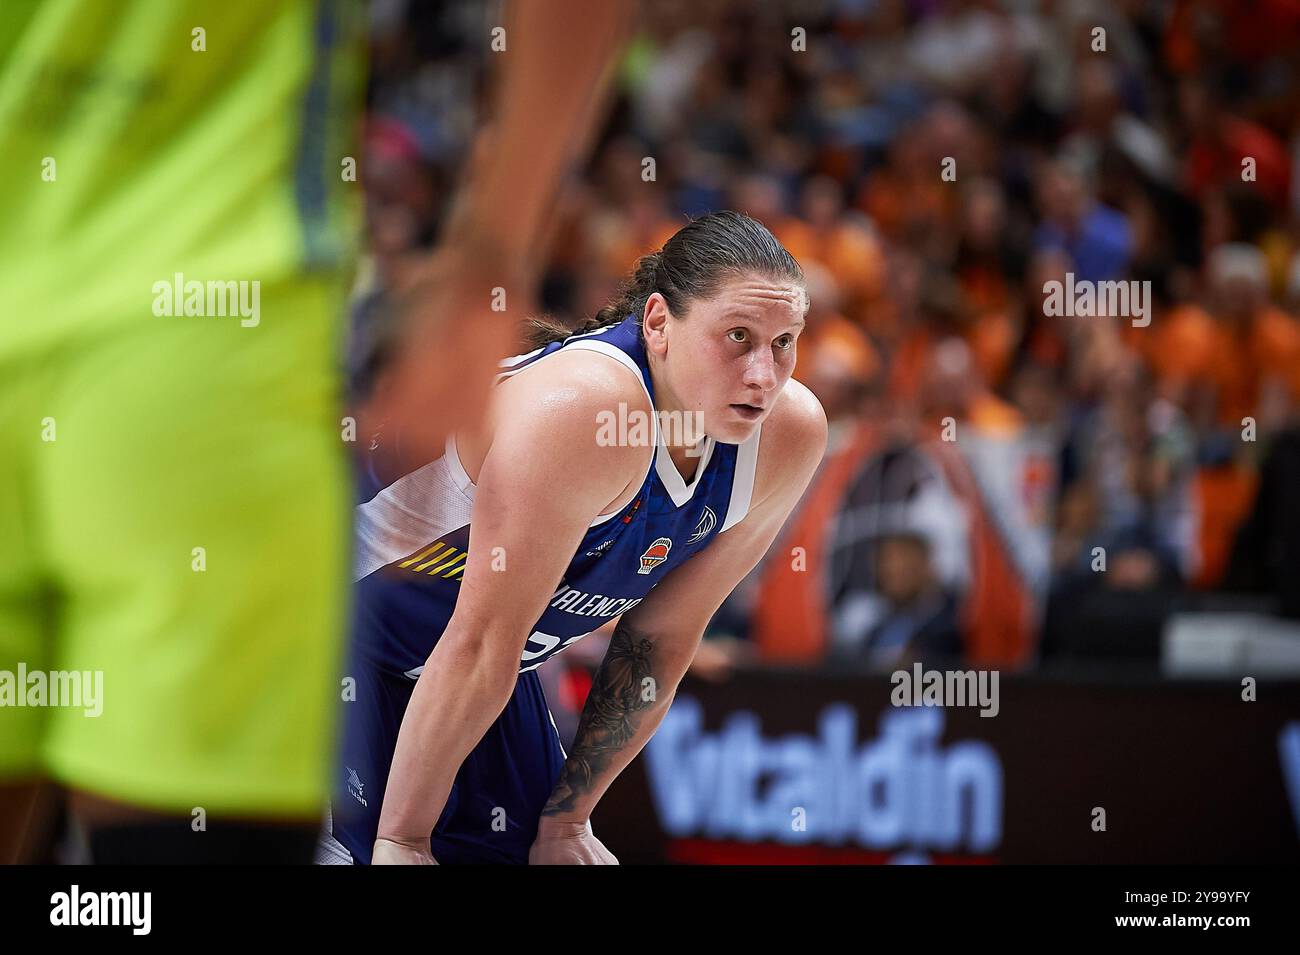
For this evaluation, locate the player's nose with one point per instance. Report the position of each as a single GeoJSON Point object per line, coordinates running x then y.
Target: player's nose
{"type": "Point", "coordinates": [761, 370]}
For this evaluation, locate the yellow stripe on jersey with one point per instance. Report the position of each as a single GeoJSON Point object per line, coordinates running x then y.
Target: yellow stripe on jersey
{"type": "Point", "coordinates": [443, 558]}
{"type": "Point", "coordinates": [459, 557]}
{"type": "Point", "coordinates": [438, 558]}
{"type": "Point", "coordinates": [432, 548]}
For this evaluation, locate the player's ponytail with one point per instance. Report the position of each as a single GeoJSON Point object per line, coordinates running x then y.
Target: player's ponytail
{"type": "Point", "coordinates": [691, 265]}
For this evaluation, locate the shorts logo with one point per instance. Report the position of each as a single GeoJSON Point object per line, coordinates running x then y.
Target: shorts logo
{"type": "Point", "coordinates": [356, 788]}
{"type": "Point", "coordinates": [655, 555]}
{"type": "Point", "coordinates": [708, 521]}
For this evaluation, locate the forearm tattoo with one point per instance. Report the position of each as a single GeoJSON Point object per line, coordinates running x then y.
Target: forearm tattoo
{"type": "Point", "coordinates": [610, 717]}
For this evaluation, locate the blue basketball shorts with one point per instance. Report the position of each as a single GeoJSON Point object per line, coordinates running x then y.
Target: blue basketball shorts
{"type": "Point", "coordinates": [497, 798]}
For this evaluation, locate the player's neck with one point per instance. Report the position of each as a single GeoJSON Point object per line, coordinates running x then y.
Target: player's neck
{"type": "Point", "coordinates": [679, 429]}
{"type": "Point", "coordinates": [686, 460]}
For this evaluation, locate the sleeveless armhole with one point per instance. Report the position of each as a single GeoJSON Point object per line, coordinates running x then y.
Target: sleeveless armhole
{"type": "Point", "coordinates": [416, 508]}
{"type": "Point", "coordinates": [600, 347]}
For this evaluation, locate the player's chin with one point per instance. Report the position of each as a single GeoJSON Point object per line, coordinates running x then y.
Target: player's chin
{"type": "Point", "coordinates": [734, 427]}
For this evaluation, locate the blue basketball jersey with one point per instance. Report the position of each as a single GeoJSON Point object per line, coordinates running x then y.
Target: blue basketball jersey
{"type": "Point", "coordinates": [413, 535]}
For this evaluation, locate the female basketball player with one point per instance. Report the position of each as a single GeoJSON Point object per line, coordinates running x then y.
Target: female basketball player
{"type": "Point", "coordinates": [479, 566]}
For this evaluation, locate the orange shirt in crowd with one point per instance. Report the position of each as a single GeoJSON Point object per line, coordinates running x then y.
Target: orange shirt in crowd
{"type": "Point", "coordinates": [852, 255]}
{"type": "Point", "coordinates": [791, 619]}
{"type": "Point", "coordinates": [1222, 496]}
{"type": "Point", "coordinates": [1191, 347]}
{"type": "Point", "coordinates": [992, 341]}
{"type": "Point", "coordinates": [994, 417]}
{"type": "Point", "coordinates": [618, 243]}
{"type": "Point", "coordinates": [849, 342]}
{"type": "Point", "coordinates": [896, 200]}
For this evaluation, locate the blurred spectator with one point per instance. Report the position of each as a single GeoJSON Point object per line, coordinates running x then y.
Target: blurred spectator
{"type": "Point", "coordinates": [909, 616]}
{"type": "Point", "coordinates": [1097, 238]}
{"type": "Point", "coordinates": [1266, 555]}
{"type": "Point", "coordinates": [1222, 146]}
{"type": "Point", "coordinates": [824, 234]}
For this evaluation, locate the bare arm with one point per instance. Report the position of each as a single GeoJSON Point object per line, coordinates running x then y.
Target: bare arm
{"type": "Point", "coordinates": [523, 534]}
{"type": "Point", "coordinates": [553, 84]}
{"type": "Point", "coordinates": [655, 641]}
{"type": "Point", "coordinates": [554, 81]}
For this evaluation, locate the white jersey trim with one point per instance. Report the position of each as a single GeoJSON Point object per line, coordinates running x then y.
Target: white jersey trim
{"type": "Point", "coordinates": [742, 483]}
{"type": "Point", "coordinates": [680, 492]}
{"type": "Point", "coordinates": [458, 472]}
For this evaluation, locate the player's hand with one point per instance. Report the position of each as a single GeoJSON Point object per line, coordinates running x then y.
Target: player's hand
{"type": "Point", "coordinates": [388, 852]}
{"type": "Point", "coordinates": [568, 843]}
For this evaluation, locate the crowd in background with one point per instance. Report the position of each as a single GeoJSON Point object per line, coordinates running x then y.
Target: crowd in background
{"type": "Point", "coordinates": [1003, 485]}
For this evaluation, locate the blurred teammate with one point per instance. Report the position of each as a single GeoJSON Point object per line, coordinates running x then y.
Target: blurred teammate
{"type": "Point", "coordinates": [176, 240]}
{"type": "Point", "coordinates": [621, 474]}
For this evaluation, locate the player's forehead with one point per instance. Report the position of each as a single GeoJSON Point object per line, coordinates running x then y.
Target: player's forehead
{"type": "Point", "coordinates": [754, 297]}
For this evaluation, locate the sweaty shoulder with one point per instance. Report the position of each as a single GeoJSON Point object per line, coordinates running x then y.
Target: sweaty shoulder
{"type": "Point", "coordinates": [554, 407]}
{"type": "Point", "coordinates": [793, 441]}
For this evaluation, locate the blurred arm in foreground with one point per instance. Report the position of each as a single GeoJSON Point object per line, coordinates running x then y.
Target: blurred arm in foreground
{"type": "Point", "coordinates": [553, 86]}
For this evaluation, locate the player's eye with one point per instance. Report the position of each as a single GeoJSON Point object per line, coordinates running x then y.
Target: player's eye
{"type": "Point", "coordinates": [785, 342]}
{"type": "Point", "coordinates": [744, 335]}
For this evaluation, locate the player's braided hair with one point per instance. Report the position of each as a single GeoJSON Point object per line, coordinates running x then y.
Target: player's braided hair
{"type": "Point", "coordinates": [691, 265]}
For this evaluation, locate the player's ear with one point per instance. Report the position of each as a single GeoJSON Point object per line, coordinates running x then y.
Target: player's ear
{"type": "Point", "coordinates": [654, 322]}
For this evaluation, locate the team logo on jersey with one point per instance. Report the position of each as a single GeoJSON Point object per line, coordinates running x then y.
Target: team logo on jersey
{"type": "Point", "coordinates": [708, 521]}
{"type": "Point", "coordinates": [655, 555]}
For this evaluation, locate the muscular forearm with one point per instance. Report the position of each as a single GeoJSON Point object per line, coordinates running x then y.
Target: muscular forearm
{"type": "Point", "coordinates": [461, 690]}
{"type": "Point", "coordinates": [630, 695]}
{"type": "Point", "coordinates": [555, 74]}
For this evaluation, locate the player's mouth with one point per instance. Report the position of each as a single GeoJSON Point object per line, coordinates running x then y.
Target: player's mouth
{"type": "Point", "coordinates": [749, 412]}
